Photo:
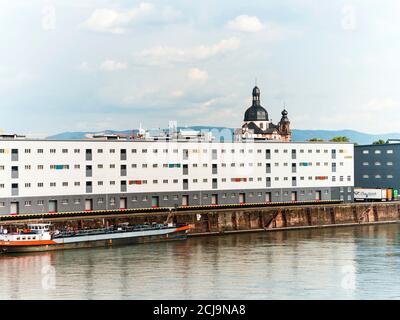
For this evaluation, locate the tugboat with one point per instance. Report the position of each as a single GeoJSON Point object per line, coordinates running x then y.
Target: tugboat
{"type": "Point", "coordinates": [40, 237]}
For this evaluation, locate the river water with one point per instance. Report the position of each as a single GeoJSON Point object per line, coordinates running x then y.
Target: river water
{"type": "Point", "coordinates": [332, 263]}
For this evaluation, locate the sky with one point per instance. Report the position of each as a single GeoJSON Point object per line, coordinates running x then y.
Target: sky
{"type": "Point", "coordinates": [93, 65]}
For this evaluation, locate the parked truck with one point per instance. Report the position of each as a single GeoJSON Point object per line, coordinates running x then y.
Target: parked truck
{"type": "Point", "coordinates": [366, 194]}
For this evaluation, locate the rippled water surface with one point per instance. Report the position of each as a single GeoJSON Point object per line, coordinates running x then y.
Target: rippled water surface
{"type": "Point", "coordinates": [336, 263]}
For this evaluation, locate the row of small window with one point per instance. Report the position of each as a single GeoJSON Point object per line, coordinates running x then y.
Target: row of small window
{"type": "Point", "coordinates": [377, 163]}
{"type": "Point", "coordinates": [28, 151]}
{"type": "Point", "coordinates": [166, 165]}
{"type": "Point", "coordinates": [378, 176]}
{"type": "Point", "coordinates": [389, 151]}
{"type": "Point", "coordinates": [205, 180]}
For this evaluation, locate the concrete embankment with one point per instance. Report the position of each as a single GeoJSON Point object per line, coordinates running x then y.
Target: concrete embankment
{"type": "Point", "coordinates": [232, 220]}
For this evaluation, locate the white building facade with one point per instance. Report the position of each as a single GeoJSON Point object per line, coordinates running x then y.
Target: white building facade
{"type": "Point", "coordinates": [39, 176]}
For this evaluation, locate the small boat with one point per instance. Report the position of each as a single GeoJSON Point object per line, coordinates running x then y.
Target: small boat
{"type": "Point", "coordinates": [38, 236]}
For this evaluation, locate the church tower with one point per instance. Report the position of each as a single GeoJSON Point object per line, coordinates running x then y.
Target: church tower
{"type": "Point", "coordinates": [257, 125]}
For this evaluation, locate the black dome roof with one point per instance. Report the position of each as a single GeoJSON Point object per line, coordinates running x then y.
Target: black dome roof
{"type": "Point", "coordinates": [256, 112]}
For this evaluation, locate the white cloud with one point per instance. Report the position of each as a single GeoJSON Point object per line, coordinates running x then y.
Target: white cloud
{"type": "Point", "coordinates": [111, 65]}
{"type": "Point", "coordinates": [84, 66]}
{"type": "Point", "coordinates": [163, 54]}
{"type": "Point", "coordinates": [112, 21]}
{"type": "Point", "coordinates": [382, 104]}
{"type": "Point", "coordinates": [245, 23]}
{"type": "Point", "coordinates": [197, 74]}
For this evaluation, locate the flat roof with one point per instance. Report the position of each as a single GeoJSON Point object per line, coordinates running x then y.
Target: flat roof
{"type": "Point", "coordinates": [180, 140]}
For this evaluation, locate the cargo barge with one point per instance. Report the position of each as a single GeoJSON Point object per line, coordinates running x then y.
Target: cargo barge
{"type": "Point", "coordinates": [39, 237]}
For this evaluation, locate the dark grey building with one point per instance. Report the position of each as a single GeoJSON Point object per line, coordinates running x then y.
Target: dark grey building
{"type": "Point", "coordinates": [377, 166]}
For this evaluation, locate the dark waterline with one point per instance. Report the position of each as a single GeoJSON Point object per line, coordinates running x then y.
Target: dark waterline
{"type": "Point", "coordinates": [335, 263]}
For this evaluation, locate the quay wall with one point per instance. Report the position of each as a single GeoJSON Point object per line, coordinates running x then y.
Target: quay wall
{"type": "Point", "coordinates": [220, 221]}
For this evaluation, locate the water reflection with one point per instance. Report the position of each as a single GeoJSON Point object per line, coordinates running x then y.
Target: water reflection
{"type": "Point", "coordinates": [342, 263]}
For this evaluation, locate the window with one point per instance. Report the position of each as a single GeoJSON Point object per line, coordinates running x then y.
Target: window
{"type": "Point", "coordinates": [100, 166]}
{"type": "Point", "coordinates": [39, 150]}
{"type": "Point", "coordinates": [27, 167]}
{"type": "Point", "coordinates": [52, 150]}
{"type": "Point", "coordinates": [52, 184]}
{"type": "Point", "coordinates": [365, 163]}
{"type": "Point", "coordinates": [28, 203]}
{"type": "Point", "coordinates": [64, 150]}
{"type": "Point", "coordinates": [64, 201]}
{"type": "Point", "coordinates": [40, 202]}
{"type": "Point", "coordinates": [77, 151]}
{"type": "Point", "coordinates": [112, 183]}
{"type": "Point", "coordinates": [365, 151]}
{"type": "Point", "coordinates": [27, 185]}
{"type": "Point", "coordinates": [365, 176]}
{"type": "Point", "coordinates": [100, 200]}
{"type": "Point", "coordinates": [389, 151]}
{"type": "Point", "coordinates": [77, 183]}
{"type": "Point", "coordinates": [378, 176]}
{"type": "Point", "coordinates": [77, 201]}
{"type": "Point", "coordinates": [27, 150]}
{"type": "Point", "coordinates": [389, 163]}
{"type": "Point", "coordinates": [377, 151]}
{"type": "Point", "coordinates": [144, 165]}
{"type": "Point", "coordinates": [99, 150]}
{"type": "Point", "coordinates": [40, 184]}
{"type": "Point", "coordinates": [112, 150]}
{"type": "Point", "coordinates": [377, 163]}
{"type": "Point", "coordinates": [40, 167]}
{"type": "Point", "coordinates": [99, 183]}
{"type": "Point", "coordinates": [134, 165]}
{"type": "Point", "coordinates": [134, 151]}
{"type": "Point", "coordinates": [77, 166]}
{"type": "Point", "coordinates": [389, 176]}
{"type": "Point", "coordinates": [112, 166]}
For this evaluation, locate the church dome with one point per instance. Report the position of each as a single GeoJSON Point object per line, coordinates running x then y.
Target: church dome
{"type": "Point", "coordinates": [256, 112]}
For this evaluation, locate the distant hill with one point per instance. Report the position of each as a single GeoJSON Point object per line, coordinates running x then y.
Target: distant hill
{"type": "Point", "coordinates": [298, 134]}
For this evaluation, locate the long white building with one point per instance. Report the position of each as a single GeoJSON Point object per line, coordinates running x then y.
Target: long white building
{"type": "Point", "coordinates": [38, 176]}
{"type": "Point", "coordinates": [44, 176]}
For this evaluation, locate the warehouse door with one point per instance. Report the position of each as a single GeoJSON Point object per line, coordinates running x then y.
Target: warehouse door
{"type": "Point", "coordinates": [14, 208]}
{"type": "Point", "coordinates": [268, 197]}
{"type": "Point", "coordinates": [185, 200]}
{"type": "Point", "coordinates": [154, 202]}
{"type": "Point", "coordinates": [122, 203]}
{"type": "Point", "coordinates": [318, 195]}
{"type": "Point", "coordinates": [294, 196]}
{"type": "Point", "coordinates": [242, 198]}
{"type": "Point", "coordinates": [88, 205]}
{"type": "Point", "coordinates": [52, 205]}
{"type": "Point", "coordinates": [214, 199]}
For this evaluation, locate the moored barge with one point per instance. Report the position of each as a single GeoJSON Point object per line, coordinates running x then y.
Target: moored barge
{"type": "Point", "coordinates": [39, 237]}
